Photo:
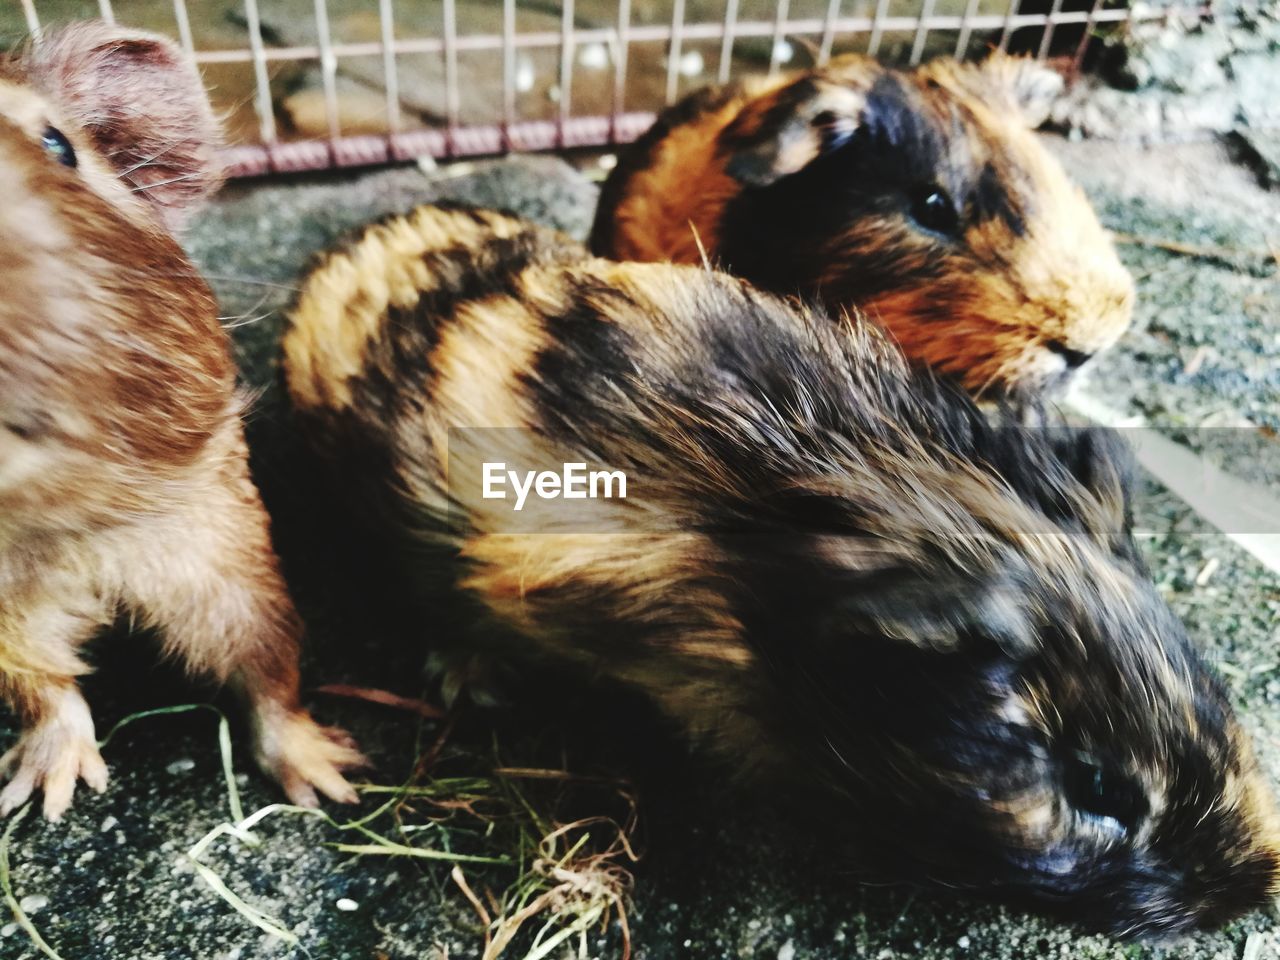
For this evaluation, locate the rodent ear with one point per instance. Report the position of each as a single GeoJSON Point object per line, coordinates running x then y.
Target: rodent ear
{"type": "Point", "coordinates": [781, 132]}
{"type": "Point", "coordinates": [141, 101]}
{"type": "Point", "coordinates": [1023, 83]}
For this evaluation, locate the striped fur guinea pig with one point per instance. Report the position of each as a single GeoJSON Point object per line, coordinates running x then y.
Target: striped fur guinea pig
{"type": "Point", "coordinates": [829, 568]}
{"type": "Point", "coordinates": [921, 198]}
{"type": "Point", "coordinates": [124, 477]}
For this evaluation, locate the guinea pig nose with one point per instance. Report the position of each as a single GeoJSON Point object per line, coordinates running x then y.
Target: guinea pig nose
{"type": "Point", "coordinates": [1073, 358]}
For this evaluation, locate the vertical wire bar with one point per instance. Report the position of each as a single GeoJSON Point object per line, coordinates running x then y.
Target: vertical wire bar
{"type": "Point", "coordinates": [1003, 46]}
{"type": "Point", "coordinates": [1078, 60]}
{"type": "Point", "coordinates": [508, 70]}
{"type": "Point", "coordinates": [104, 9]}
{"type": "Point", "coordinates": [452, 106]}
{"type": "Point", "coordinates": [390, 75]}
{"type": "Point", "coordinates": [184, 26]}
{"type": "Point", "coordinates": [726, 41]}
{"type": "Point", "coordinates": [567, 53]}
{"type": "Point", "coordinates": [1048, 30]}
{"type": "Point", "coordinates": [674, 50]}
{"type": "Point", "coordinates": [828, 32]}
{"type": "Point", "coordinates": [966, 31]}
{"type": "Point", "coordinates": [266, 116]}
{"type": "Point", "coordinates": [922, 31]}
{"type": "Point", "coordinates": [620, 70]}
{"type": "Point", "coordinates": [877, 27]}
{"type": "Point", "coordinates": [33, 21]}
{"type": "Point", "coordinates": [328, 68]}
{"type": "Point", "coordinates": [780, 17]}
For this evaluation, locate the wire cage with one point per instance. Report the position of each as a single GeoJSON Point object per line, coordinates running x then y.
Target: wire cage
{"type": "Point", "coordinates": [319, 84]}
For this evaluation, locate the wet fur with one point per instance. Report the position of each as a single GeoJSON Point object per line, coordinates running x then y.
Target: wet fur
{"type": "Point", "coordinates": [124, 482]}
{"type": "Point", "coordinates": [830, 569]}
{"type": "Point", "coordinates": [806, 186]}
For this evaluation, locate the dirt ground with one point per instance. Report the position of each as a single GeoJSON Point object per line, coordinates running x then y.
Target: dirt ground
{"type": "Point", "coordinates": [724, 875]}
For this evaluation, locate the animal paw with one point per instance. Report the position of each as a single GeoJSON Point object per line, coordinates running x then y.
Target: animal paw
{"type": "Point", "coordinates": [52, 756]}
{"type": "Point", "coordinates": [306, 757]}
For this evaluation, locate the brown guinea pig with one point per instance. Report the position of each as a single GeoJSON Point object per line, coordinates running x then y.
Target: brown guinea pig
{"type": "Point", "coordinates": [124, 479]}
{"type": "Point", "coordinates": [921, 199]}
{"type": "Point", "coordinates": [826, 566]}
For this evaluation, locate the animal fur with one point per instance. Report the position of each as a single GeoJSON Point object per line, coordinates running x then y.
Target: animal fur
{"type": "Point", "coordinates": [814, 185]}
{"type": "Point", "coordinates": [124, 481]}
{"type": "Point", "coordinates": [828, 568]}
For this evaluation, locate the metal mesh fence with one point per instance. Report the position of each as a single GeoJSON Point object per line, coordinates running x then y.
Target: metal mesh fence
{"type": "Point", "coordinates": [316, 84]}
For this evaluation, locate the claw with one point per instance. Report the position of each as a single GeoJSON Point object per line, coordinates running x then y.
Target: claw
{"type": "Point", "coordinates": [306, 757]}
{"type": "Point", "coordinates": [52, 756]}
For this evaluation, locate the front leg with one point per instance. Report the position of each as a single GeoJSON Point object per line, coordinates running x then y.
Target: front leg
{"type": "Point", "coordinates": [56, 748]}
{"type": "Point", "coordinates": [38, 670]}
{"type": "Point", "coordinates": [216, 594]}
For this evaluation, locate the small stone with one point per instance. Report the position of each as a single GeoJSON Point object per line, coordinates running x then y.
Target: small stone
{"type": "Point", "coordinates": [1260, 151]}
{"type": "Point", "coordinates": [8, 930]}
{"type": "Point", "coordinates": [787, 951]}
{"type": "Point", "coordinates": [526, 75]}
{"type": "Point", "coordinates": [593, 56]}
{"type": "Point", "coordinates": [33, 903]}
{"type": "Point", "coordinates": [185, 765]}
{"type": "Point", "coordinates": [691, 64]}
{"type": "Point", "coordinates": [109, 824]}
{"type": "Point", "coordinates": [963, 943]}
{"type": "Point", "coordinates": [1207, 571]}
{"type": "Point", "coordinates": [347, 905]}
{"type": "Point", "coordinates": [1258, 79]}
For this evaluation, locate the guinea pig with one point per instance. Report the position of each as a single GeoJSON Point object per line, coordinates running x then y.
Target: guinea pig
{"type": "Point", "coordinates": [124, 479]}
{"type": "Point", "coordinates": [827, 566]}
{"type": "Point", "coordinates": [921, 198]}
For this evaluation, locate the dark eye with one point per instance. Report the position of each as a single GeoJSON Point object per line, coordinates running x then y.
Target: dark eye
{"type": "Point", "coordinates": [1094, 789]}
{"type": "Point", "coordinates": [59, 147]}
{"type": "Point", "coordinates": [932, 208]}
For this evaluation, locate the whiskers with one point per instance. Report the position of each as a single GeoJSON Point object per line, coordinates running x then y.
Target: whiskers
{"type": "Point", "coordinates": [247, 319]}
{"type": "Point", "coordinates": [147, 161]}
{"type": "Point", "coordinates": [143, 188]}
{"type": "Point", "coordinates": [268, 301]}
{"type": "Point", "coordinates": [247, 281]}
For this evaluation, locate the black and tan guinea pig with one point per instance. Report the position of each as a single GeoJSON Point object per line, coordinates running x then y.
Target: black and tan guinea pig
{"type": "Point", "coordinates": [827, 566]}
{"type": "Point", "coordinates": [124, 479]}
{"type": "Point", "coordinates": [920, 198]}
